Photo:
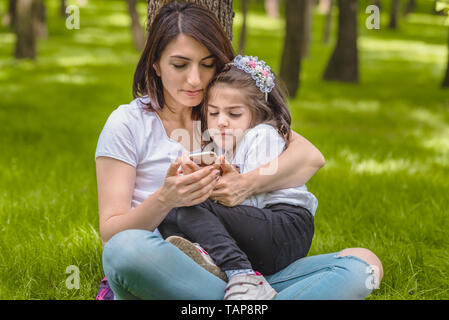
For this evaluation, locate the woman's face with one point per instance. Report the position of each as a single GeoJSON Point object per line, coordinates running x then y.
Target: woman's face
{"type": "Point", "coordinates": [185, 68]}
{"type": "Point", "coordinates": [228, 116]}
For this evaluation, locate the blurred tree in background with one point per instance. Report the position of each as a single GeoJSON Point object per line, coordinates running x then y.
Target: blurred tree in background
{"type": "Point", "coordinates": [295, 11]}
{"type": "Point", "coordinates": [136, 28]}
{"type": "Point", "coordinates": [344, 63]}
{"type": "Point", "coordinates": [410, 7]}
{"type": "Point", "coordinates": [443, 7]}
{"type": "Point", "coordinates": [40, 22]}
{"type": "Point", "coordinates": [24, 16]}
{"type": "Point", "coordinates": [394, 13]}
{"type": "Point", "coordinates": [28, 20]}
{"type": "Point", "coordinates": [325, 7]}
{"type": "Point", "coordinates": [62, 7]}
{"type": "Point", "coordinates": [10, 16]}
{"type": "Point", "coordinates": [243, 32]}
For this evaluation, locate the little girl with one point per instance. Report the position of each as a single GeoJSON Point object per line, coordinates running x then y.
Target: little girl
{"type": "Point", "coordinates": [248, 121]}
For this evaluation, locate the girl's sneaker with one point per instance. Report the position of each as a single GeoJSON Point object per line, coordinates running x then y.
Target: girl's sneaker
{"type": "Point", "coordinates": [198, 254]}
{"type": "Point", "coordinates": [249, 287]}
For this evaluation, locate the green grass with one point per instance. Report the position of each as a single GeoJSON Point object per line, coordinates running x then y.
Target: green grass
{"type": "Point", "coordinates": [386, 142]}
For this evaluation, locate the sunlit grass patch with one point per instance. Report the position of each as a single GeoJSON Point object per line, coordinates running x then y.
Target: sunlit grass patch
{"type": "Point", "coordinates": [407, 50]}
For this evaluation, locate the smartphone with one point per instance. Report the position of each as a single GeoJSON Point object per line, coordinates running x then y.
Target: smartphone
{"type": "Point", "coordinates": [203, 158]}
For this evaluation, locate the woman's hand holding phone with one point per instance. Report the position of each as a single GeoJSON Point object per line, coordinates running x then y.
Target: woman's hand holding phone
{"type": "Point", "coordinates": [188, 189]}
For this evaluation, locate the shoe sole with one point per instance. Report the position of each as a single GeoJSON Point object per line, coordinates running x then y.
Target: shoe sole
{"type": "Point", "coordinates": [192, 252]}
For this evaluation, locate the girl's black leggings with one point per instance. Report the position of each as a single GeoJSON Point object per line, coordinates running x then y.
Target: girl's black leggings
{"type": "Point", "coordinates": [245, 237]}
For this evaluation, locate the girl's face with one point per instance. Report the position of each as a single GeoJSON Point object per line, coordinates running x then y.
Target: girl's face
{"type": "Point", "coordinates": [228, 116]}
{"type": "Point", "coordinates": [185, 68]}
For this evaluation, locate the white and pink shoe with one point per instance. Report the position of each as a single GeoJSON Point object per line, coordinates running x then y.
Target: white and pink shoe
{"type": "Point", "coordinates": [249, 287]}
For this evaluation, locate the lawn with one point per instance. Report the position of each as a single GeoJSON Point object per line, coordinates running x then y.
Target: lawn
{"type": "Point", "coordinates": [385, 185]}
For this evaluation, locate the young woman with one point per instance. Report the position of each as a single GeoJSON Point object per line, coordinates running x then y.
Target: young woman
{"type": "Point", "coordinates": [138, 182]}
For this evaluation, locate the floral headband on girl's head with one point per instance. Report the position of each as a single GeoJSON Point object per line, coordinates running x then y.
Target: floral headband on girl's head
{"type": "Point", "coordinates": [258, 70]}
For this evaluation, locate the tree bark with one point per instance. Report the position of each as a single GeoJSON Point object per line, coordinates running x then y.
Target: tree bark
{"type": "Point", "coordinates": [272, 8]}
{"type": "Point", "coordinates": [62, 8]}
{"type": "Point", "coordinates": [410, 7]}
{"type": "Point", "coordinates": [221, 8]}
{"type": "Point", "coordinates": [344, 64]}
{"type": "Point", "coordinates": [10, 17]}
{"type": "Point", "coordinates": [326, 8]}
{"type": "Point", "coordinates": [41, 19]}
{"type": "Point", "coordinates": [291, 56]}
{"type": "Point", "coordinates": [328, 23]}
{"type": "Point", "coordinates": [242, 40]}
{"type": "Point", "coordinates": [445, 83]}
{"type": "Point", "coordinates": [394, 13]}
{"type": "Point", "coordinates": [136, 28]}
{"type": "Point", "coordinates": [12, 11]}
{"type": "Point", "coordinates": [24, 29]}
{"type": "Point", "coordinates": [308, 15]}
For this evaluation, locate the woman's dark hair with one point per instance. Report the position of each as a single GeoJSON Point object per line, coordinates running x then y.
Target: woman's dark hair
{"type": "Point", "coordinates": [173, 19]}
{"type": "Point", "coordinates": [274, 111]}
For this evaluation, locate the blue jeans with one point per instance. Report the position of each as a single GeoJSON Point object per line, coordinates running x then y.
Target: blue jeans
{"type": "Point", "coordinates": [139, 264]}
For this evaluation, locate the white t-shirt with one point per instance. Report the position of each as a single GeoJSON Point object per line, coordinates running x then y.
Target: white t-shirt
{"type": "Point", "coordinates": [137, 136]}
{"type": "Point", "coordinates": [259, 146]}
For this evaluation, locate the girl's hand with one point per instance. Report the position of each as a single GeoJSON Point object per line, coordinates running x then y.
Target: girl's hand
{"type": "Point", "coordinates": [189, 189]}
{"type": "Point", "coordinates": [232, 187]}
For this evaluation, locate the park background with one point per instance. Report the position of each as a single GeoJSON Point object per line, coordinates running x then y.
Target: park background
{"type": "Point", "coordinates": [385, 138]}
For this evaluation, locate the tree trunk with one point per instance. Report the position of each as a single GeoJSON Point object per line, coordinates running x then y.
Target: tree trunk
{"type": "Point", "coordinates": [136, 29]}
{"type": "Point", "coordinates": [328, 23]}
{"type": "Point", "coordinates": [394, 12]}
{"type": "Point", "coordinates": [9, 18]}
{"type": "Point", "coordinates": [308, 15]}
{"type": "Point", "coordinates": [291, 56]}
{"type": "Point", "coordinates": [242, 40]}
{"type": "Point", "coordinates": [445, 83]}
{"type": "Point", "coordinates": [41, 20]}
{"type": "Point", "coordinates": [62, 8]}
{"type": "Point", "coordinates": [221, 8]}
{"type": "Point", "coordinates": [410, 7]}
{"type": "Point", "coordinates": [344, 64]}
{"type": "Point", "coordinates": [272, 8]}
{"type": "Point", "coordinates": [12, 11]}
{"type": "Point", "coordinates": [24, 28]}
